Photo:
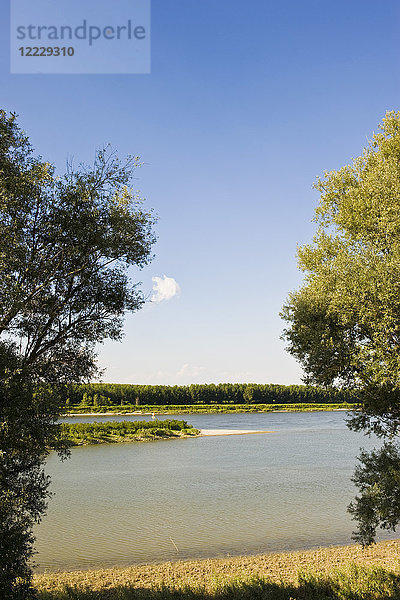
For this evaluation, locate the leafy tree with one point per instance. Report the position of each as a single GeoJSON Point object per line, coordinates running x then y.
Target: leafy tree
{"type": "Point", "coordinates": [344, 323]}
{"type": "Point", "coordinates": [65, 246]}
{"type": "Point", "coordinates": [249, 393]}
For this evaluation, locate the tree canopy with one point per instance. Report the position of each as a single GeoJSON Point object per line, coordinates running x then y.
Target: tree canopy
{"type": "Point", "coordinates": [344, 322]}
{"type": "Point", "coordinates": [66, 243]}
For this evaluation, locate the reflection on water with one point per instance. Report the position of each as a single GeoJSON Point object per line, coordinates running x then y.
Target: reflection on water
{"type": "Point", "coordinates": [212, 496]}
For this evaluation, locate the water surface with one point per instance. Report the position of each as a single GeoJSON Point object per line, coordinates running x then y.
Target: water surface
{"type": "Point", "coordinates": [119, 504]}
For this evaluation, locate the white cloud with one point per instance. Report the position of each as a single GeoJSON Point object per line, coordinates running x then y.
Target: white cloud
{"type": "Point", "coordinates": [189, 371]}
{"type": "Point", "coordinates": [165, 288]}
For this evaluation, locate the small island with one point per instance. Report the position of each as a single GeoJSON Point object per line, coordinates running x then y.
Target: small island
{"type": "Point", "coordinates": [80, 434]}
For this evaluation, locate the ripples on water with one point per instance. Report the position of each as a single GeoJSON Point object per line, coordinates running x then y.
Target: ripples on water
{"type": "Point", "coordinates": [118, 504]}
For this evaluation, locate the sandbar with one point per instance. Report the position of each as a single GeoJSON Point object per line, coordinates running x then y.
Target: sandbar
{"type": "Point", "coordinates": [230, 431]}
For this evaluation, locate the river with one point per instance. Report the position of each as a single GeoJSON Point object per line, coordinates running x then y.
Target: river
{"type": "Point", "coordinates": [119, 504]}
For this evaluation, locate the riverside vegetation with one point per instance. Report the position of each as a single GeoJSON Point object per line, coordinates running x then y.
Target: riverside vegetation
{"type": "Point", "coordinates": [238, 397]}
{"type": "Point", "coordinates": [336, 573]}
{"type": "Point", "coordinates": [205, 408]}
{"type": "Point", "coordinates": [79, 434]}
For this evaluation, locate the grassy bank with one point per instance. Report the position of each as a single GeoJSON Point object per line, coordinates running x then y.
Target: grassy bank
{"type": "Point", "coordinates": [207, 408]}
{"type": "Point", "coordinates": [345, 573]}
{"type": "Point", "coordinates": [80, 434]}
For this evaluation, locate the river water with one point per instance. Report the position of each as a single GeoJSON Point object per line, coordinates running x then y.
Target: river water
{"type": "Point", "coordinates": [119, 504]}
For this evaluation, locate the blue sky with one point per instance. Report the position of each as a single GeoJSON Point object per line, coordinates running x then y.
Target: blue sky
{"type": "Point", "coordinates": [246, 104]}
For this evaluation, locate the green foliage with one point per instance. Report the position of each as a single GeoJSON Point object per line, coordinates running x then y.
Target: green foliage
{"type": "Point", "coordinates": [378, 479]}
{"type": "Point", "coordinates": [65, 246]}
{"type": "Point", "coordinates": [87, 400]}
{"type": "Point", "coordinates": [111, 431]}
{"type": "Point", "coordinates": [112, 394]}
{"type": "Point", "coordinates": [344, 323]}
{"type": "Point", "coordinates": [27, 428]}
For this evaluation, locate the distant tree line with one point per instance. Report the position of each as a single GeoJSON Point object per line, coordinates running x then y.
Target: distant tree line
{"type": "Point", "coordinates": [113, 394]}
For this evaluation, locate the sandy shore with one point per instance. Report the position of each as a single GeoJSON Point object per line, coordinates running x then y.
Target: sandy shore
{"type": "Point", "coordinates": [274, 566]}
{"type": "Point", "coordinates": [106, 414]}
{"type": "Point", "coordinates": [199, 412]}
{"type": "Point", "coordinates": [230, 431]}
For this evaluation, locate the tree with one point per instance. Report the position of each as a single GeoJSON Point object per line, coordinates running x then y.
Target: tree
{"type": "Point", "coordinates": [65, 246]}
{"type": "Point", "coordinates": [344, 322]}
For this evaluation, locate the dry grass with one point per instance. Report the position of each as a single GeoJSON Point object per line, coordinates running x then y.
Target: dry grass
{"type": "Point", "coordinates": [282, 568]}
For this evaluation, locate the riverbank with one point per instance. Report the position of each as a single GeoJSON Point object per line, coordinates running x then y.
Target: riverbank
{"type": "Point", "coordinates": [178, 409]}
{"type": "Point", "coordinates": [345, 572]}
{"type": "Point", "coordinates": [213, 432]}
